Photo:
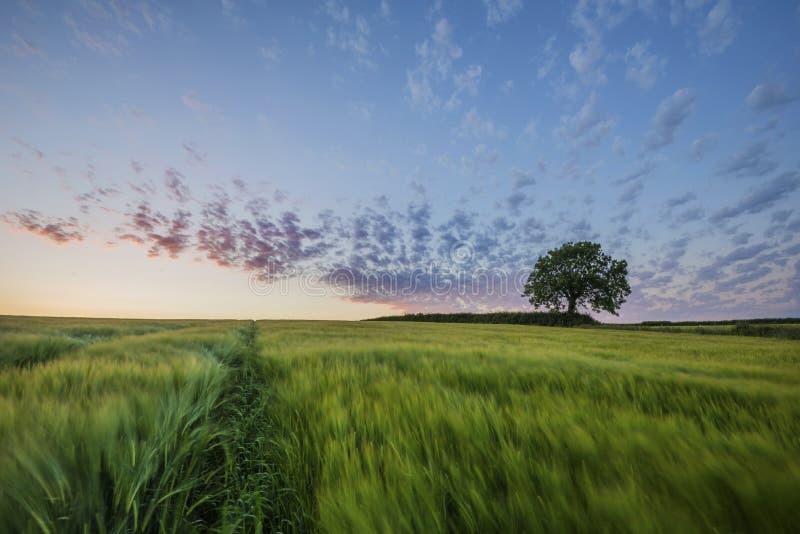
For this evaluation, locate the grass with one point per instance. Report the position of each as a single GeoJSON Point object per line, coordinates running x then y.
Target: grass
{"type": "Point", "coordinates": [424, 427]}
{"type": "Point", "coordinates": [299, 426]}
{"type": "Point", "coordinates": [112, 437]}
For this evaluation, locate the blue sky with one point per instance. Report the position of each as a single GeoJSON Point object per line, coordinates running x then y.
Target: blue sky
{"type": "Point", "coordinates": [226, 142]}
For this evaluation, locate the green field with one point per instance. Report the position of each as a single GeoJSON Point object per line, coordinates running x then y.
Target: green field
{"type": "Point", "coordinates": [175, 426]}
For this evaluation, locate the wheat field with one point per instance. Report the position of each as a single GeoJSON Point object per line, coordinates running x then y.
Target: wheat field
{"type": "Point", "coordinates": [302, 426]}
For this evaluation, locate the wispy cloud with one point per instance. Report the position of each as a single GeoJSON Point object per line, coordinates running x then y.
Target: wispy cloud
{"type": "Point", "coordinates": [589, 126]}
{"type": "Point", "coordinates": [766, 96]}
{"type": "Point", "coordinates": [593, 18]}
{"type": "Point", "coordinates": [29, 147]}
{"type": "Point", "coordinates": [750, 161]}
{"type": "Point", "coordinates": [761, 198]}
{"type": "Point", "coordinates": [466, 82]}
{"type": "Point", "coordinates": [474, 126]}
{"type": "Point", "coordinates": [193, 153]}
{"type": "Point", "coordinates": [680, 200]}
{"type": "Point", "coordinates": [500, 11]}
{"type": "Point", "coordinates": [175, 183]}
{"type": "Point", "coordinates": [671, 113]}
{"type": "Point", "coordinates": [109, 44]}
{"type": "Point", "coordinates": [546, 59]}
{"type": "Point", "coordinates": [703, 145]}
{"type": "Point", "coordinates": [157, 231]}
{"type": "Point", "coordinates": [137, 166]}
{"type": "Point", "coordinates": [201, 108]}
{"type": "Point", "coordinates": [194, 103]}
{"type": "Point", "coordinates": [23, 47]}
{"type": "Point", "coordinates": [436, 55]}
{"type": "Point", "coordinates": [272, 52]}
{"type": "Point", "coordinates": [718, 29]}
{"type": "Point", "coordinates": [106, 28]}
{"type": "Point", "coordinates": [56, 229]}
{"type": "Point", "coordinates": [351, 34]}
{"type": "Point", "coordinates": [522, 178]}
{"type": "Point", "coordinates": [232, 13]}
{"type": "Point", "coordinates": [642, 66]}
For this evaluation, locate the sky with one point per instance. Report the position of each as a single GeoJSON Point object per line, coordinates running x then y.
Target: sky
{"type": "Point", "coordinates": [340, 160]}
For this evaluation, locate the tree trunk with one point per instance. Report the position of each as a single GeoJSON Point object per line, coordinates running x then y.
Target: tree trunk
{"type": "Point", "coordinates": [571, 309]}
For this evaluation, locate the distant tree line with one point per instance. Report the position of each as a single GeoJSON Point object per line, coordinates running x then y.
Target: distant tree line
{"type": "Point", "coordinates": [786, 320]}
{"type": "Point", "coordinates": [526, 318]}
{"type": "Point", "coordinates": [775, 328]}
{"type": "Point", "coordinates": [788, 328]}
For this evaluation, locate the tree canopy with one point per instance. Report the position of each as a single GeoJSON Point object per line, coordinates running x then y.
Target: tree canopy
{"type": "Point", "coordinates": [578, 275]}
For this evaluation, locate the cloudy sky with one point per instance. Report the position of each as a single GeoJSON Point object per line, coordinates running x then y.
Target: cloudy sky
{"type": "Point", "coordinates": [343, 159]}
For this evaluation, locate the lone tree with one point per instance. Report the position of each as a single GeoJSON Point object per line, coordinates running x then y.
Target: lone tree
{"type": "Point", "coordinates": [578, 274]}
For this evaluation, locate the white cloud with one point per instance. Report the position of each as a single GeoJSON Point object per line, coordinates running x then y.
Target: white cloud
{"type": "Point", "coordinates": [108, 44]}
{"type": "Point", "coordinates": [465, 82]}
{"type": "Point", "coordinates": [499, 11]}
{"type": "Point", "coordinates": [436, 55]}
{"type": "Point", "coordinates": [420, 90]}
{"type": "Point", "coordinates": [588, 126]}
{"type": "Point", "coordinates": [472, 125]}
{"type": "Point", "coordinates": [703, 145]}
{"type": "Point", "coordinates": [362, 110]}
{"type": "Point", "coordinates": [586, 58]}
{"type": "Point", "coordinates": [354, 40]}
{"type": "Point", "coordinates": [643, 67]}
{"type": "Point", "coordinates": [193, 102]}
{"type": "Point", "coordinates": [350, 33]}
{"type": "Point", "coordinates": [272, 52]}
{"type": "Point", "coordinates": [547, 59]}
{"type": "Point", "coordinates": [752, 160]}
{"type": "Point", "coordinates": [769, 95]}
{"type": "Point", "coordinates": [440, 51]}
{"type": "Point", "coordinates": [468, 81]}
{"type": "Point", "coordinates": [386, 9]}
{"type": "Point", "coordinates": [562, 89]}
{"type": "Point", "coordinates": [593, 18]}
{"type": "Point", "coordinates": [671, 112]}
{"type": "Point", "coordinates": [718, 29]}
{"type": "Point", "coordinates": [522, 178]}
{"type": "Point", "coordinates": [202, 110]}
{"type": "Point", "coordinates": [483, 157]}
{"type": "Point", "coordinates": [230, 10]}
{"type": "Point", "coordinates": [336, 11]}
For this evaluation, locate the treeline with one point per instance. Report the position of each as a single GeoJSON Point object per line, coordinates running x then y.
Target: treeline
{"type": "Point", "coordinates": [784, 328]}
{"type": "Point", "coordinates": [767, 330]}
{"type": "Point", "coordinates": [776, 328]}
{"type": "Point", "coordinates": [728, 322]}
{"type": "Point", "coordinates": [526, 318]}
